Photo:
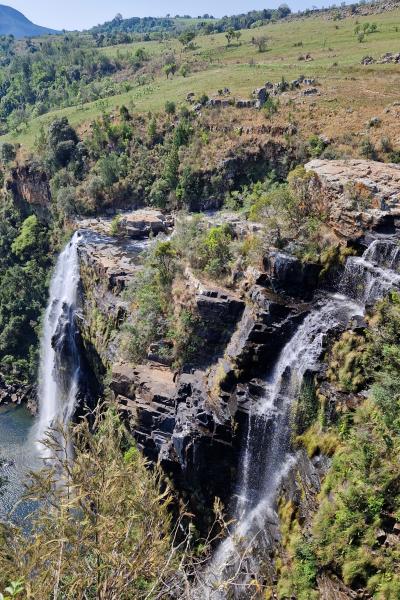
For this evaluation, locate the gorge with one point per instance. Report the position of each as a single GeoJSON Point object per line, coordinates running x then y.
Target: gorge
{"type": "Point", "coordinates": [200, 309]}
{"type": "Point", "coordinates": [267, 460]}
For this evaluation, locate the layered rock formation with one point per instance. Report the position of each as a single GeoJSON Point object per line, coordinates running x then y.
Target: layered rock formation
{"type": "Point", "coordinates": [191, 421]}
{"type": "Point", "coordinates": [360, 195]}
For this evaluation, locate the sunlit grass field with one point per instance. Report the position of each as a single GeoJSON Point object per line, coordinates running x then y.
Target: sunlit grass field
{"type": "Point", "coordinates": [336, 62]}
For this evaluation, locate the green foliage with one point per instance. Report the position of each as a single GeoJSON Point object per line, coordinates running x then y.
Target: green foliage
{"type": "Point", "coordinates": [187, 37]}
{"type": "Point", "coordinates": [13, 590]}
{"type": "Point", "coordinates": [109, 500]}
{"type": "Point", "coordinates": [110, 168]}
{"type": "Point", "coordinates": [271, 106]}
{"type": "Point", "coordinates": [306, 408]}
{"type": "Point", "coordinates": [316, 145]}
{"type": "Point", "coordinates": [170, 107]}
{"type": "Point", "coordinates": [24, 267]}
{"type": "Point", "coordinates": [368, 150]}
{"type": "Point", "coordinates": [151, 299]}
{"type": "Point", "coordinates": [32, 239]}
{"type": "Point", "coordinates": [361, 493]}
{"type": "Point", "coordinates": [61, 139]}
{"type": "Point", "coordinates": [170, 69]}
{"type": "Point", "coordinates": [346, 362]}
{"type": "Point", "coordinates": [215, 251]}
{"type": "Point", "coordinates": [115, 228]}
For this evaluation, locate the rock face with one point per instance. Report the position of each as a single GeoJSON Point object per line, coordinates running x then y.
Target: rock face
{"type": "Point", "coordinates": [18, 394]}
{"type": "Point", "coordinates": [30, 188]}
{"type": "Point", "coordinates": [186, 420]}
{"type": "Point", "coordinates": [138, 224]}
{"type": "Point", "coordinates": [173, 426]}
{"type": "Point", "coordinates": [107, 265]}
{"type": "Point", "coordinates": [289, 275]}
{"type": "Point", "coordinates": [361, 196]}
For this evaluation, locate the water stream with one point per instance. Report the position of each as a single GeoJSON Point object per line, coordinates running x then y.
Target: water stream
{"type": "Point", "coordinates": [268, 456]}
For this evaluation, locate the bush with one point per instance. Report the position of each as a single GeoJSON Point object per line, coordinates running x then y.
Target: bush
{"type": "Point", "coordinates": [170, 107]}
{"type": "Point", "coordinates": [117, 502]}
{"type": "Point", "coordinates": [368, 150]}
{"type": "Point", "coordinates": [32, 239]}
{"type": "Point", "coordinates": [215, 251]}
{"type": "Point", "coordinates": [115, 227]}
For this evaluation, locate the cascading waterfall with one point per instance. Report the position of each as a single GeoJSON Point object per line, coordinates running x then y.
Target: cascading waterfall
{"type": "Point", "coordinates": [59, 357]}
{"type": "Point", "coordinates": [268, 455]}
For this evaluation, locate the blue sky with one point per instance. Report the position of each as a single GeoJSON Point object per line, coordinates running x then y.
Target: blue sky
{"type": "Point", "coordinates": [79, 14]}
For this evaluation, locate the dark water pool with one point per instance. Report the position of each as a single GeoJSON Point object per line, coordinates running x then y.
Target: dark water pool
{"type": "Point", "coordinates": [18, 451]}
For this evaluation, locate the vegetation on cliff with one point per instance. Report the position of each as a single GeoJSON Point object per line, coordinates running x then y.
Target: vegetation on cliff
{"type": "Point", "coordinates": [138, 113]}
{"type": "Point", "coordinates": [351, 535]}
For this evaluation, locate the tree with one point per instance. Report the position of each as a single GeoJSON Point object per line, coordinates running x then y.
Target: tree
{"type": "Point", "coordinates": [170, 69]}
{"type": "Point", "coordinates": [260, 42]}
{"type": "Point", "coordinates": [31, 240]}
{"type": "Point", "coordinates": [152, 130]}
{"type": "Point", "coordinates": [230, 34]}
{"type": "Point", "coordinates": [170, 107]}
{"type": "Point", "coordinates": [283, 11]}
{"type": "Point", "coordinates": [186, 38]}
{"type": "Point", "coordinates": [62, 140]}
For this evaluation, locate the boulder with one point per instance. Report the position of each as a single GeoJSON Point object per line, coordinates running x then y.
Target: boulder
{"type": "Point", "coordinates": [261, 96]}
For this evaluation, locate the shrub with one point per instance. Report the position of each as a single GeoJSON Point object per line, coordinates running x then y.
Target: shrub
{"type": "Point", "coordinates": [115, 227]}
{"type": "Point", "coordinates": [346, 363]}
{"type": "Point", "coordinates": [170, 107]}
{"type": "Point", "coordinates": [184, 70]}
{"type": "Point", "coordinates": [271, 106]}
{"type": "Point", "coordinates": [215, 251]}
{"type": "Point", "coordinates": [116, 503]}
{"type": "Point", "coordinates": [368, 150]}
{"type": "Point", "coordinates": [110, 169]}
{"type": "Point", "coordinates": [316, 145]}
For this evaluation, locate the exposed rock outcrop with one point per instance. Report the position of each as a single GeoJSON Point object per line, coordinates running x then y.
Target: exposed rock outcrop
{"type": "Point", "coordinates": [137, 224]}
{"type": "Point", "coordinates": [361, 196]}
{"type": "Point", "coordinates": [30, 188]}
{"type": "Point", "coordinates": [18, 394]}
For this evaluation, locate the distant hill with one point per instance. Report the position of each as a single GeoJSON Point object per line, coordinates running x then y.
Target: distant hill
{"type": "Point", "coordinates": [12, 22]}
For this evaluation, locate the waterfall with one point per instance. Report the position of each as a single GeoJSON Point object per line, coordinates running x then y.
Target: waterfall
{"type": "Point", "coordinates": [267, 456]}
{"type": "Point", "coordinates": [369, 277]}
{"type": "Point", "coordinates": [59, 371]}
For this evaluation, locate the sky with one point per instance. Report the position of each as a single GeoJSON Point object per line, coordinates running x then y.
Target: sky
{"type": "Point", "coordinates": [81, 14]}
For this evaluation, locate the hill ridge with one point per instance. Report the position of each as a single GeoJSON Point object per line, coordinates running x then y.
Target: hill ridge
{"type": "Point", "coordinates": [13, 22]}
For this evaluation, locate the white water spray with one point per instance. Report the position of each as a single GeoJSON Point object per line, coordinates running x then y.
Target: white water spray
{"type": "Point", "coordinates": [59, 357]}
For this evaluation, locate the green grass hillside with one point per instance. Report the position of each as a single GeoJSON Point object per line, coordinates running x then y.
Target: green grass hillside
{"type": "Point", "coordinates": [333, 46]}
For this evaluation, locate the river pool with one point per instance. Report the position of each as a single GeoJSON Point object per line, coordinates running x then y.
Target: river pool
{"type": "Point", "coordinates": [17, 450]}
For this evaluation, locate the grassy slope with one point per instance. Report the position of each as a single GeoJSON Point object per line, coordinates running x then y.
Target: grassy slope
{"type": "Point", "coordinates": [336, 62]}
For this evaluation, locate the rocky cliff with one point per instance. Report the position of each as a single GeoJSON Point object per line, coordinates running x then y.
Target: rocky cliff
{"type": "Point", "coordinates": [192, 420]}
